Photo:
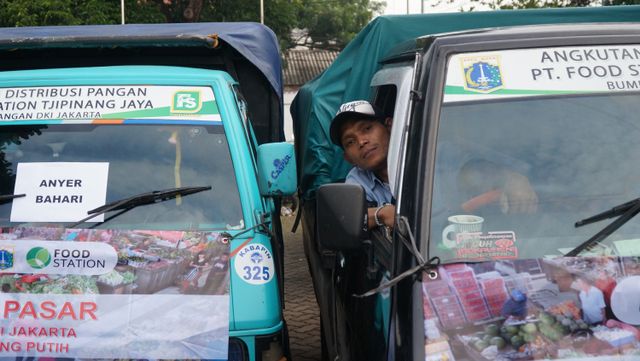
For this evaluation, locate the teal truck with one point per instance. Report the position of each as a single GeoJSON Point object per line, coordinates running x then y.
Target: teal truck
{"type": "Point", "coordinates": [512, 163]}
{"type": "Point", "coordinates": [141, 172]}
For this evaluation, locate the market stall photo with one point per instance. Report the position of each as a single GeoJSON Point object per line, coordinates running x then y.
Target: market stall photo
{"type": "Point", "coordinates": [552, 308]}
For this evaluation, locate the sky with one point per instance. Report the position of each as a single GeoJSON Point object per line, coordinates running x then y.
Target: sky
{"type": "Point", "coordinates": [395, 7]}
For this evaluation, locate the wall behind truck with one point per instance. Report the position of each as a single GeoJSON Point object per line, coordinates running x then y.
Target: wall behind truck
{"type": "Point", "coordinates": [348, 78]}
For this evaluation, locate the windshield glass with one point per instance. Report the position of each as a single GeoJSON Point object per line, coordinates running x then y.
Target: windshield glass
{"type": "Point", "coordinates": [530, 142]}
{"type": "Point", "coordinates": [575, 153]}
{"type": "Point", "coordinates": [134, 159]}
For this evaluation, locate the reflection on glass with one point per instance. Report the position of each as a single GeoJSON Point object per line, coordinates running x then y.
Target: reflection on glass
{"type": "Point", "coordinates": [141, 158]}
{"type": "Point", "coordinates": [570, 157]}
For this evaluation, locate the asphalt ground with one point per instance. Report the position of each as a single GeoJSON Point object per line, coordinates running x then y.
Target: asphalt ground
{"type": "Point", "coordinates": [301, 310]}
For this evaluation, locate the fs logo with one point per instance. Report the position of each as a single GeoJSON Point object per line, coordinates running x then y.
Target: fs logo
{"type": "Point", "coordinates": [186, 102]}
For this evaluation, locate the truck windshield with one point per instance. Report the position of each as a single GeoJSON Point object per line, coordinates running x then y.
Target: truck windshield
{"type": "Point", "coordinates": [520, 172]}
{"type": "Point", "coordinates": [140, 158]}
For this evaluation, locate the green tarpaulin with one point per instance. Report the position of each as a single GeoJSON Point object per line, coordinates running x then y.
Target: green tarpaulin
{"type": "Point", "coordinates": [348, 78]}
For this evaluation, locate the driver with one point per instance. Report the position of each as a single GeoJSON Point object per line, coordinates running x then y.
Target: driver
{"type": "Point", "coordinates": [363, 132]}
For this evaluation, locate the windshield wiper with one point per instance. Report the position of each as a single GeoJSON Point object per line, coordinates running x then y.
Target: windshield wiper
{"type": "Point", "coordinates": [142, 199]}
{"type": "Point", "coordinates": [624, 212]}
{"type": "Point", "coordinates": [6, 198]}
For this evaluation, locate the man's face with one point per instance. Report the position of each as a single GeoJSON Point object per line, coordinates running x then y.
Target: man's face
{"type": "Point", "coordinates": [366, 143]}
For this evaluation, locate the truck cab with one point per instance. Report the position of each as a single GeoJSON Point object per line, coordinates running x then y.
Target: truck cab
{"type": "Point", "coordinates": [142, 169]}
{"type": "Point", "coordinates": [507, 243]}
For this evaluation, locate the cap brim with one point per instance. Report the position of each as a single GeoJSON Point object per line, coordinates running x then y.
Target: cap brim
{"type": "Point", "coordinates": [340, 119]}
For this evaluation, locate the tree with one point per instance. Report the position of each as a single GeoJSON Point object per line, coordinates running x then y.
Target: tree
{"type": "Point", "coordinates": [178, 11]}
{"type": "Point", "coordinates": [332, 24]}
{"type": "Point", "coordinates": [73, 12]}
{"type": "Point", "coordinates": [55, 12]}
{"type": "Point", "coordinates": [328, 23]}
{"type": "Point", "coordinates": [280, 15]}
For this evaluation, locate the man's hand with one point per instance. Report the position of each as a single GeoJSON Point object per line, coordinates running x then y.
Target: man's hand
{"type": "Point", "coordinates": [386, 216]}
{"type": "Point", "coordinates": [517, 195]}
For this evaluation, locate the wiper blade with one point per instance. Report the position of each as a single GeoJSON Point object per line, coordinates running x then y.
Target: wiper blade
{"type": "Point", "coordinates": [624, 212]}
{"type": "Point", "coordinates": [142, 199]}
{"type": "Point", "coordinates": [615, 211]}
{"type": "Point", "coordinates": [6, 198]}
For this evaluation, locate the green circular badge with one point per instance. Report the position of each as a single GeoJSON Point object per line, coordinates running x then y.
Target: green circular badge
{"type": "Point", "coordinates": [38, 257]}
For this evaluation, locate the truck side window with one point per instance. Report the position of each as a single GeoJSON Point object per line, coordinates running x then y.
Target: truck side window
{"type": "Point", "coordinates": [385, 98]}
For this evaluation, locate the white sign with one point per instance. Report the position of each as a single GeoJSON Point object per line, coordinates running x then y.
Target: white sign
{"type": "Point", "coordinates": [59, 192]}
{"type": "Point", "coordinates": [542, 71]}
{"type": "Point", "coordinates": [254, 264]}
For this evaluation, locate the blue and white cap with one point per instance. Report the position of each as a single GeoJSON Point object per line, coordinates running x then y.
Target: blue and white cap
{"type": "Point", "coordinates": [353, 110]}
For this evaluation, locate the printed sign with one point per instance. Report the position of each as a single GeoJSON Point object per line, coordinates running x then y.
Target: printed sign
{"type": "Point", "coordinates": [107, 102]}
{"type": "Point", "coordinates": [533, 309]}
{"type": "Point", "coordinates": [492, 245]}
{"type": "Point", "coordinates": [156, 281]}
{"type": "Point", "coordinates": [542, 71]}
{"type": "Point", "coordinates": [254, 264]}
{"type": "Point", "coordinates": [59, 192]}
{"type": "Point", "coordinates": [58, 257]}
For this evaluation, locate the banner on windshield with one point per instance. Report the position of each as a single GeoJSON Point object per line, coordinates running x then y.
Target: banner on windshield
{"type": "Point", "coordinates": [84, 293]}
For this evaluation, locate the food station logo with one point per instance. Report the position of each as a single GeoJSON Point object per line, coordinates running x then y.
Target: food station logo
{"type": "Point", "coordinates": [60, 257]}
{"type": "Point", "coordinates": [38, 257]}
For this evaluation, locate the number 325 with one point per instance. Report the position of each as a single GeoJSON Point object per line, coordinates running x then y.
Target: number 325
{"type": "Point", "coordinates": [256, 273]}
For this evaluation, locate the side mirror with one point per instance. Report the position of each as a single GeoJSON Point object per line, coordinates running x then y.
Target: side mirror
{"type": "Point", "coordinates": [277, 169]}
{"type": "Point", "coordinates": [341, 210]}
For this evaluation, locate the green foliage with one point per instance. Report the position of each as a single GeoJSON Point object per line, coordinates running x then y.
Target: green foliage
{"type": "Point", "coordinates": [333, 23]}
{"type": "Point", "coordinates": [329, 23]}
{"type": "Point", "coordinates": [58, 12]}
{"type": "Point", "coordinates": [279, 15]}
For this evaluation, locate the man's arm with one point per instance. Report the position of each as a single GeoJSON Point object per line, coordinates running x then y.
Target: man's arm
{"type": "Point", "coordinates": [386, 214]}
{"type": "Point", "coordinates": [516, 193]}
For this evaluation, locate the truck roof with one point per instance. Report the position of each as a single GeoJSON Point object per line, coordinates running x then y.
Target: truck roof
{"type": "Point", "coordinates": [349, 77]}
{"type": "Point", "coordinates": [249, 52]}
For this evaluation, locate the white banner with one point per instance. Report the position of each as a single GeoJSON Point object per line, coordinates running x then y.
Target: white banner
{"type": "Point", "coordinates": [114, 326]}
{"type": "Point", "coordinates": [542, 71]}
{"type": "Point", "coordinates": [107, 102]}
{"type": "Point", "coordinates": [113, 294]}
